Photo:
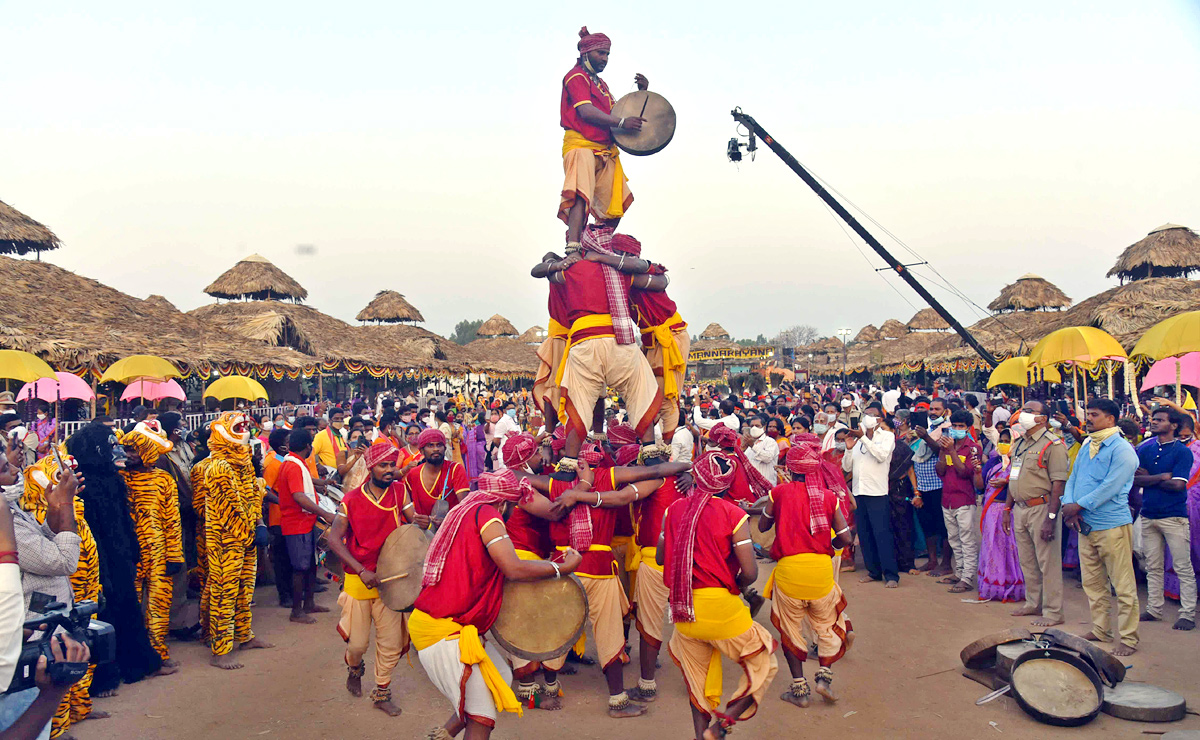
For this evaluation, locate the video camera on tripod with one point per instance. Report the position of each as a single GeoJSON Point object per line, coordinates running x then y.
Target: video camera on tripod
{"type": "Point", "coordinates": [78, 623]}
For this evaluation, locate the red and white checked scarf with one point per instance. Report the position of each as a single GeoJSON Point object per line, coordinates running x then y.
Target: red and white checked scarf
{"type": "Point", "coordinates": [580, 518]}
{"type": "Point", "coordinates": [805, 459]}
{"type": "Point", "coordinates": [493, 488]}
{"type": "Point", "coordinates": [729, 440]}
{"type": "Point", "coordinates": [712, 473]}
{"type": "Point", "coordinates": [616, 286]}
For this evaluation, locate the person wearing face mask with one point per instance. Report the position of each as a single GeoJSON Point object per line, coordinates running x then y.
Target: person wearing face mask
{"type": "Point", "coordinates": [868, 460]}
{"type": "Point", "coordinates": [329, 445]}
{"type": "Point", "coordinates": [826, 425]}
{"type": "Point", "coordinates": [507, 424]}
{"type": "Point", "coordinates": [44, 427]}
{"type": "Point", "coordinates": [760, 449]}
{"type": "Point", "coordinates": [958, 459]}
{"type": "Point", "coordinates": [848, 411]}
{"type": "Point", "coordinates": [928, 497]}
{"type": "Point", "coordinates": [1039, 472]}
{"type": "Point", "coordinates": [1000, 576]}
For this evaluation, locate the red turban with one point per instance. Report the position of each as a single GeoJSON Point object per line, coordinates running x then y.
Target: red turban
{"type": "Point", "coordinates": [591, 455]}
{"type": "Point", "coordinates": [627, 454]}
{"type": "Point", "coordinates": [627, 244]}
{"type": "Point", "coordinates": [592, 41]}
{"type": "Point", "coordinates": [724, 437]}
{"type": "Point", "coordinates": [621, 434]}
{"type": "Point", "coordinates": [805, 459]}
{"type": "Point", "coordinates": [380, 452]}
{"type": "Point", "coordinates": [430, 437]}
{"type": "Point", "coordinates": [518, 449]}
{"type": "Point", "coordinates": [713, 473]}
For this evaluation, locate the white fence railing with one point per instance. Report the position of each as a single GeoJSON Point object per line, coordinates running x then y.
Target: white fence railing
{"type": "Point", "coordinates": [193, 421]}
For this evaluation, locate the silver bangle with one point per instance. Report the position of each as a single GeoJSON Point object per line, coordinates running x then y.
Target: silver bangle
{"type": "Point", "coordinates": [557, 572]}
{"type": "Point", "coordinates": [599, 500]}
{"type": "Point", "coordinates": [621, 123]}
{"type": "Point", "coordinates": [746, 541]}
{"type": "Point", "coordinates": [621, 263]}
{"type": "Point", "coordinates": [842, 531]}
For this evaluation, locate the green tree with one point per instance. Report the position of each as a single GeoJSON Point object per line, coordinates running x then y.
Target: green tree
{"type": "Point", "coordinates": [752, 342]}
{"type": "Point", "coordinates": [464, 331]}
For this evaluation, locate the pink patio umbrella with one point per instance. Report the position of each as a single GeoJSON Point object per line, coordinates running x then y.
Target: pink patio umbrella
{"type": "Point", "coordinates": [47, 389]}
{"type": "Point", "coordinates": [1163, 371]}
{"type": "Point", "coordinates": [153, 390]}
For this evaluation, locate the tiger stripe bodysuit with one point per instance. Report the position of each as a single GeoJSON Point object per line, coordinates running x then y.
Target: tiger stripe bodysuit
{"type": "Point", "coordinates": [154, 499]}
{"type": "Point", "coordinates": [85, 581]}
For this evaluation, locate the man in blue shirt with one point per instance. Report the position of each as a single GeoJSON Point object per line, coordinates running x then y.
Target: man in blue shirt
{"type": "Point", "coordinates": [1166, 464]}
{"type": "Point", "coordinates": [1096, 504]}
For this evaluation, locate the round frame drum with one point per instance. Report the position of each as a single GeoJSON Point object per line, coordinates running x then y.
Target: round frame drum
{"type": "Point", "coordinates": [656, 132]}
{"type": "Point", "coordinates": [541, 620]}
{"type": "Point", "coordinates": [401, 567]}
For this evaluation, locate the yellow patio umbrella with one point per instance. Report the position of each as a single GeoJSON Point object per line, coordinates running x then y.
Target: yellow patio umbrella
{"type": "Point", "coordinates": [1078, 345]}
{"type": "Point", "coordinates": [23, 366]}
{"type": "Point", "coordinates": [1016, 371]}
{"type": "Point", "coordinates": [1171, 337]}
{"type": "Point", "coordinates": [140, 366]}
{"type": "Point", "coordinates": [236, 386]}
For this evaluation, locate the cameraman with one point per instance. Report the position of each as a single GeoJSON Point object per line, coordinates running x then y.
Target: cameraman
{"type": "Point", "coordinates": [25, 715]}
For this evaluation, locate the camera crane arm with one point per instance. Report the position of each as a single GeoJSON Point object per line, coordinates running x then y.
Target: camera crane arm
{"type": "Point", "coordinates": [758, 131]}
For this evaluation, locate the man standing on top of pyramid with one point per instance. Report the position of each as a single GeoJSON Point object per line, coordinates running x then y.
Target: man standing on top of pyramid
{"type": "Point", "coordinates": [594, 178]}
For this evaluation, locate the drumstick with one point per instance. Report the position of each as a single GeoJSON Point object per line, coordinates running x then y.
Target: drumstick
{"type": "Point", "coordinates": [392, 578]}
{"type": "Point", "coordinates": [644, 102]}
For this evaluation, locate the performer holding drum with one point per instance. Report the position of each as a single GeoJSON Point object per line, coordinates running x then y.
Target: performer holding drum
{"type": "Point", "coordinates": [368, 515]}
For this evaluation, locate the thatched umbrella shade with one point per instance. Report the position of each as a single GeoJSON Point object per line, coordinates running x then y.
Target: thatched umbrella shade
{"type": "Point", "coordinates": [869, 333]}
{"type": "Point", "coordinates": [927, 320]}
{"type": "Point", "coordinates": [256, 279]}
{"type": "Point", "coordinates": [20, 234]}
{"type": "Point", "coordinates": [1170, 250]}
{"type": "Point", "coordinates": [497, 326]}
{"type": "Point", "coordinates": [389, 307]}
{"type": "Point", "coordinates": [1030, 293]}
{"type": "Point", "coordinates": [893, 329]}
{"type": "Point", "coordinates": [714, 331]}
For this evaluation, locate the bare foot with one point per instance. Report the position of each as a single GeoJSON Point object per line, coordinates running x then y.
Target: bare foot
{"type": "Point", "coordinates": [98, 714]}
{"type": "Point", "coordinates": [302, 619]}
{"type": "Point", "coordinates": [927, 567]}
{"type": "Point", "coordinates": [1184, 624]}
{"type": "Point", "coordinates": [948, 580]}
{"type": "Point", "coordinates": [354, 685]}
{"type": "Point", "coordinates": [715, 732]}
{"type": "Point", "coordinates": [892, 584]}
{"type": "Point", "coordinates": [801, 701]}
{"type": "Point", "coordinates": [388, 708]}
{"type": "Point", "coordinates": [168, 663]}
{"type": "Point", "coordinates": [629, 710]}
{"type": "Point", "coordinates": [1027, 611]}
{"type": "Point", "coordinates": [640, 696]}
{"type": "Point", "coordinates": [166, 670]}
{"type": "Point", "coordinates": [315, 609]}
{"type": "Point", "coordinates": [961, 588]}
{"type": "Point", "coordinates": [105, 694]}
{"type": "Point", "coordinates": [1121, 650]}
{"type": "Point", "coordinates": [255, 643]}
{"type": "Point", "coordinates": [1047, 622]}
{"type": "Point", "coordinates": [867, 579]}
{"type": "Point", "coordinates": [825, 690]}
{"type": "Point", "coordinates": [549, 702]}
{"type": "Point", "coordinates": [938, 572]}
{"type": "Point", "coordinates": [915, 571]}
{"type": "Point", "coordinates": [567, 670]}
{"type": "Point", "coordinates": [849, 568]}
{"type": "Point", "coordinates": [1091, 637]}
{"type": "Point", "coordinates": [228, 661]}
{"type": "Point", "coordinates": [1148, 617]}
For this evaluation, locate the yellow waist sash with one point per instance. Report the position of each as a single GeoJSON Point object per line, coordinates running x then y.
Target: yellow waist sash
{"type": "Point", "coordinates": [591, 321]}
{"type": "Point", "coordinates": [673, 359]}
{"type": "Point", "coordinates": [556, 329]}
{"type": "Point", "coordinates": [719, 616]}
{"type": "Point", "coordinates": [648, 558]}
{"type": "Point", "coordinates": [806, 576]}
{"type": "Point", "coordinates": [594, 548]}
{"type": "Point", "coordinates": [633, 555]}
{"type": "Point", "coordinates": [426, 631]}
{"type": "Point", "coordinates": [356, 589]}
{"type": "Point", "coordinates": [575, 140]}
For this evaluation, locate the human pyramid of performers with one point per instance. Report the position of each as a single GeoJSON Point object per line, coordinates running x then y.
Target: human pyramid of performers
{"type": "Point", "coordinates": [600, 510]}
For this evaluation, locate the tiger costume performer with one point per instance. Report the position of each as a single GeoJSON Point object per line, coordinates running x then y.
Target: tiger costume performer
{"type": "Point", "coordinates": [85, 581]}
{"type": "Point", "coordinates": [232, 496]}
{"type": "Point", "coordinates": [154, 498]}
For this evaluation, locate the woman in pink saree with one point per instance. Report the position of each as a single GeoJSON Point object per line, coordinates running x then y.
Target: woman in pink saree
{"type": "Point", "coordinates": [1000, 577]}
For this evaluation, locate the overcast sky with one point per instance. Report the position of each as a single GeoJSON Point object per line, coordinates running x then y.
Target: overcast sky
{"type": "Point", "coordinates": [416, 146]}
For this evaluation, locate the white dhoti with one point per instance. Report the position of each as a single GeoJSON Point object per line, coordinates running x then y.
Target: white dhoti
{"type": "Point", "coordinates": [443, 664]}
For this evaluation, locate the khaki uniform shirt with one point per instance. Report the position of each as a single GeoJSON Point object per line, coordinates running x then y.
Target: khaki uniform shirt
{"type": "Point", "coordinates": [1030, 480]}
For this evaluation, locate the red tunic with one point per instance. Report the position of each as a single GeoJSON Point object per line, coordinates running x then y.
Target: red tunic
{"type": "Point", "coordinates": [653, 308]}
{"type": "Point", "coordinates": [584, 294]}
{"type": "Point", "coordinates": [557, 304]}
{"type": "Point", "coordinates": [578, 88]}
{"type": "Point", "coordinates": [740, 489]}
{"type": "Point", "coordinates": [650, 511]}
{"type": "Point", "coordinates": [715, 564]}
{"type": "Point", "coordinates": [371, 522]}
{"type": "Point", "coordinates": [604, 522]}
{"type": "Point", "coordinates": [471, 588]}
{"type": "Point", "coordinates": [793, 535]}
{"type": "Point", "coordinates": [529, 532]}
{"type": "Point", "coordinates": [451, 482]}
{"type": "Point", "coordinates": [292, 518]}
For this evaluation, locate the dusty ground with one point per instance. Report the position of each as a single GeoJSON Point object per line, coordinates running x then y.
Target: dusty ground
{"type": "Point", "coordinates": [297, 690]}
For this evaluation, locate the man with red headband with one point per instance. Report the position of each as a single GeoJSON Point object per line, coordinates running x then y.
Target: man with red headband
{"type": "Point", "coordinates": [601, 350]}
{"type": "Point", "coordinates": [367, 515]}
{"type": "Point", "coordinates": [708, 557]}
{"type": "Point", "coordinates": [434, 480]}
{"type": "Point", "coordinates": [747, 485]}
{"type": "Point", "coordinates": [808, 526]}
{"type": "Point", "coordinates": [589, 528]}
{"type": "Point", "coordinates": [462, 592]}
{"type": "Point", "coordinates": [594, 179]}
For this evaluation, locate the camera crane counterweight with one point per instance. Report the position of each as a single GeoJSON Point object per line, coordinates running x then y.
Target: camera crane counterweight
{"type": "Point", "coordinates": [758, 131]}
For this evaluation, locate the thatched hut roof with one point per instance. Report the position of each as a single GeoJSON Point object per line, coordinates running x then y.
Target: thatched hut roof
{"type": "Point", "coordinates": [20, 234]}
{"type": "Point", "coordinates": [1030, 293]}
{"type": "Point", "coordinates": [389, 307]}
{"type": "Point", "coordinates": [533, 335]}
{"type": "Point", "coordinates": [893, 329]}
{"type": "Point", "coordinates": [497, 326]}
{"type": "Point", "coordinates": [714, 331]}
{"type": "Point", "coordinates": [71, 320]}
{"type": "Point", "coordinates": [1170, 250]}
{"type": "Point", "coordinates": [160, 302]}
{"type": "Point", "coordinates": [503, 354]}
{"type": "Point", "coordinates": [869, 333]}
{"type": "Point", "coordinates": [256, 278]}
{"type": "Point", "coordinates": [927, 320]}
{"type": "Point", "coordinates": [828, 344]}
{"type": "Point", "coordinates": [419, 345]}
